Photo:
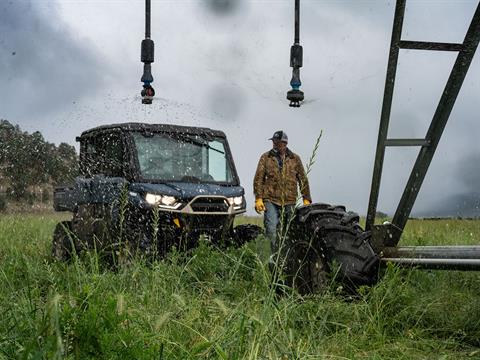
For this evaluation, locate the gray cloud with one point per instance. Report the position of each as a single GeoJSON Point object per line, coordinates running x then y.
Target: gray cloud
{"type": "Point", "coordinates": [219, 62]}
{"type": "Point", "coordinates": [43, 66]}
{"type": "Point", "coordinates": [227, 101]}
{"type": "Point", "coordinates": [466, 203]}
{"type": "Point", "coordinates": [222, 7]}
{"type": "Point", "coordinates": [468, 170]}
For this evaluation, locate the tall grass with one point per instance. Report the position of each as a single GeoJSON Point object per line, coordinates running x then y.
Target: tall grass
{"type": "Point", "coordinates": [213, 303]}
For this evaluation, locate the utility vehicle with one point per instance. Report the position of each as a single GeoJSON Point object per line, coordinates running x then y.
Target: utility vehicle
{"type": "Point", "coordinates": [154, 186]}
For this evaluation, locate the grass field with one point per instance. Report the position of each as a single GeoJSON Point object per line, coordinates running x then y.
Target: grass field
{"type": "Point", "coordinates": [219, 305]}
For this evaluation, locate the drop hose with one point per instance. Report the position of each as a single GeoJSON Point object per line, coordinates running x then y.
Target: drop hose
{"type": "Point", "coordinates": [295, 95]}
{"type": "Point", "coordinates": [147, 57]}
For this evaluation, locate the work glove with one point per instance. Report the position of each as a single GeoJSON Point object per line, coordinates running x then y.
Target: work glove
{"type": "Point", "coordinates": [306, 202]}
{"type": "Point", "coordinates": [259, 205]}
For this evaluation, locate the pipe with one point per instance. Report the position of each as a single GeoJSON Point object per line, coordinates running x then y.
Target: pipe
{"type": "Point", "coordinates": [297, 22]}
{"type": "Point", "coordinates": [147, 19]}
{"type": "Point", "coordinates": [460, 257]}
{"type": "Point", "coordinates": [439, 264]}
{"type": "Point", "coordinates": [433, 252]}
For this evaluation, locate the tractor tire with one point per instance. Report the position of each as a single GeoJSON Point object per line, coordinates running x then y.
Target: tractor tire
{"type": "Point", "coordinates": [63, 238]}
{"type": "Point", "coordinates": [327, 239]}
{"type": "Point", "coordinates": [305, 269]}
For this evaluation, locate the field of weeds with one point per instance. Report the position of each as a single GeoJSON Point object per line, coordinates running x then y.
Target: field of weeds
{"type": "Point", "coordinates": [218, 304]}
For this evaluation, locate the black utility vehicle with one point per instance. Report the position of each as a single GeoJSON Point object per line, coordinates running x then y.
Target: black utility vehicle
{"type": "Point", "coordinates": [154, 186]}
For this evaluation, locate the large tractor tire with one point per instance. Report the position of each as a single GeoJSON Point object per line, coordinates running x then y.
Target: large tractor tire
{"type": "Point", "coordinates": [326, 242]}
{"type": "Point", "coordinates": [305, 268]}
{"type": "Point", "coordinates": [62, 249]}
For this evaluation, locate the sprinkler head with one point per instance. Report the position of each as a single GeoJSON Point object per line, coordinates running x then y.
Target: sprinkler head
{"type": "Point", "coordinates": [147, 94]}
{"type": "Point", "coordinates": [295, 96]}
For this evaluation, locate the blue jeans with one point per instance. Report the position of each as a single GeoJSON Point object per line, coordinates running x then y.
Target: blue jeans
{"type": "Point", "coordinates": [272, 220]}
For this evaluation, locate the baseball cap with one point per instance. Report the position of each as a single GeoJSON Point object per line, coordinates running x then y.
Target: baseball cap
{"type": "Point", "coordinates": [280, 135]}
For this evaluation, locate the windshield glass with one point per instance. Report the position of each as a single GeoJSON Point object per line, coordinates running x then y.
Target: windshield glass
{"type": "Point", "coordinates": [182, 157]}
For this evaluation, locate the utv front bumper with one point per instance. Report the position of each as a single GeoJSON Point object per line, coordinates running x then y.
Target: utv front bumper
{"type": "Point", "coordinates": [203, 205]}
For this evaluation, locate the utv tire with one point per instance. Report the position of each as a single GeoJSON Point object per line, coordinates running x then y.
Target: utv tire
{"type": "Point", "coordinates": [245, 233]}
{"type": "Point", "coordinates": [331, 237]}
{"type": "Point", "coordinates": [62, 241]}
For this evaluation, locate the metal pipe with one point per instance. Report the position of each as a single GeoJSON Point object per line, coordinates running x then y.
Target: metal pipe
{"type": "Point", "coordinates": [297, 22]}
{"type": "Point", "coordinates": [433, 252]}
{"type": "Point", "coordinates": [424, 45]}
{"type": "Point", "coordinates": [147, 57]}
{"type": "Point", "coordinates": [406, 142]}
{"type": "Point", "coordinates": [295, 95]}
{"type": "Point", "coordinates": [440, 264]}
{"type": "Point", "coordinates": [147, 19]}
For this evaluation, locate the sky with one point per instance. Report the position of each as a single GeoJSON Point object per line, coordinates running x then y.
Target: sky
{"type": "Point", "coordinates": [69, 65]}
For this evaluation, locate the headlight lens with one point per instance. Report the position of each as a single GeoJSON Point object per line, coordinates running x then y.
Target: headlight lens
{"type": "Point", "coordinates": [153, 199]}
{"type": "Point", "coordinates": [236, 201]}
{"type": "Point", "coordinates": [162, 200]}
{"type": "Point", "coordinates": [168, 200]}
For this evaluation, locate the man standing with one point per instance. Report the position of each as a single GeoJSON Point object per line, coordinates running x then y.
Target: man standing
{"type": "Point", "coordinates": [279, 175]}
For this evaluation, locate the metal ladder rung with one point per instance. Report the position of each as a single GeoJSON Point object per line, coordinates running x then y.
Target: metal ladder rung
{"type": "Point", "coordinates": [407, 142]}
{"type": "Point", "coordinates": [424, 45]}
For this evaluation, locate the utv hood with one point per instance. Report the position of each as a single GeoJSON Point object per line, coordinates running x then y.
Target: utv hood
{"type": "Point", "coordinates": [185, 191]}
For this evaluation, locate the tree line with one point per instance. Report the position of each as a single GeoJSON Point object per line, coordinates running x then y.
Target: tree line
{"type": "Point", "coordinates": [28, 161]}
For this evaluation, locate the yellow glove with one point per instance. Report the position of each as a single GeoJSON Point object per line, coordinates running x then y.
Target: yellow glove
{"type": "Point", "coordinates": [306, 202]}
{"type": "Point", "coordinates": [259, 205]}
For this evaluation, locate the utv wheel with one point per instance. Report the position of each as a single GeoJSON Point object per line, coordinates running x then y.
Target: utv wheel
{"type": "Point", "coordinates": [62, 241]}
{"type": "Point", "coordinates": [334, 236]}
{"type": "Point", "coordinates": [245, 233]}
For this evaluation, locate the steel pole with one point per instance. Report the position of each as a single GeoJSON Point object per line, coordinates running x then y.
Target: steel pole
{"type": "Point", "coordinates": [434, 257]}
{"type": "Point", "coordinates": [433, 252]}
{"type": "Point", "coordinates": [385, 115]}
{"type": "Point", "coordinates": [436, 264]}
{"type": "Point", "coordinates": [297, 22]}
{"type": "Point", "coordinates": [147, 18]}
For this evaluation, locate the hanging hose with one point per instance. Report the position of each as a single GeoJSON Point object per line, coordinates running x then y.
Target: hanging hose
{"type": "Point", "coordinates": [295, 95]}
{"type": "Point", "coordinates": [147, 57]}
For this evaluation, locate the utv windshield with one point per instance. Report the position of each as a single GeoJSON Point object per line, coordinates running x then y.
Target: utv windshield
{"type": "Point", "coordinates": [182, 157]}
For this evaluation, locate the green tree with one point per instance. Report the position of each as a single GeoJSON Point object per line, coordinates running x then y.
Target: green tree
{"type": "Point", "coordinates": [28, 160]}
{"type": "Point", "coordinates": [63, 167]}
{"type": "Point", "coordinates": [15, 159]}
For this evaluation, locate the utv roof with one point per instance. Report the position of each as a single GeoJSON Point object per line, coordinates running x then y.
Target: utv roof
{"type": "Point", "coordinates": [155, 128]}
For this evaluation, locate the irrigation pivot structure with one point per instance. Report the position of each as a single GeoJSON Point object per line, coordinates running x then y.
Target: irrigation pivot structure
{"type": "Point", "coordinates": [322, 234]}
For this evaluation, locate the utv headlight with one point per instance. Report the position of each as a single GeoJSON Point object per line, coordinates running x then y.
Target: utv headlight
{"type": "Point", "coordinates": [165, 201]}
{"type": "Point", "coordinates": [153, 199]}
{"type": "Point", "coordinates": [168, 200]}
{"type": "Point", "coordinates": [236, 201]}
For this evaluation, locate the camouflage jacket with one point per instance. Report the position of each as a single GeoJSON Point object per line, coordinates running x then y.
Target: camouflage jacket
{"type": "Point", "coordinates": [277, 181]}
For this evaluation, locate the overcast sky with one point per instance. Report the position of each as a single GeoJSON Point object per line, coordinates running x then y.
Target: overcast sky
{"type": "Point", "coordinates": [66, 66]}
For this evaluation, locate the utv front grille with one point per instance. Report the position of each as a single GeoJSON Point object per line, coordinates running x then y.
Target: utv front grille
{"type": "Point", "coordinates": [206, 223]}
{"type": "Point", "coordinates": [210, 204]}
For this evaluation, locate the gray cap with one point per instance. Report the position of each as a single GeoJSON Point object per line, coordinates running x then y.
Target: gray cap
{"type": "Point", "coordinates": [280, 135]}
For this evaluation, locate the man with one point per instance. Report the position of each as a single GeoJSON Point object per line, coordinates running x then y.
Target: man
{"type": "Point", "coordinates": [279, 175]}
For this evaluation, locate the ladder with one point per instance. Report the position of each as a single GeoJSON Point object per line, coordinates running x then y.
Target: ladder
{"type": "Point", "coordinates": [389, 234]}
